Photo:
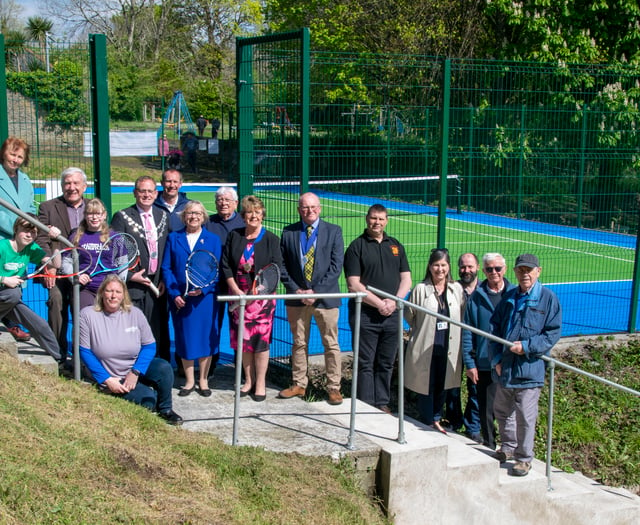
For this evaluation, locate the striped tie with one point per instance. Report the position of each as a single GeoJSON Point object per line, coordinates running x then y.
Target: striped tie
{"type": "Point", "coordinates": [308, 263]}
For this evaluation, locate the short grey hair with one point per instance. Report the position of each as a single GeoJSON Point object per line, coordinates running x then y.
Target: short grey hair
{"type": "Point", "coordinates": [227, 190]}
{"type": "Point", "coordinates": [487, 257]}
{"type": "Point", "coordinates": [71, 171]}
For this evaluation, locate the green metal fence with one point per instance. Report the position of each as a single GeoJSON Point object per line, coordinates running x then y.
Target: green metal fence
{"type": "Point", "coordinates": [474, 155]}
{"type": "Point", "coordinates": [54, 98]}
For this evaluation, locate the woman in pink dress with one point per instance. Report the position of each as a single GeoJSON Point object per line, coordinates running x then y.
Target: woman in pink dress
{"type": "Point", "coordinates": [246, 251]}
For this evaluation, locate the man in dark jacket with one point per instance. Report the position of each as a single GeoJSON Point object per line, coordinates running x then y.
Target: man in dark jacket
{"type": "Point", "coordinates": [312, 253]}
{"type": "Point", "coordinates": [172, 200]}
{"type": "Point", "coordinates": [530, 317]}
{"type": "Point", "coordinates": [478, 414]}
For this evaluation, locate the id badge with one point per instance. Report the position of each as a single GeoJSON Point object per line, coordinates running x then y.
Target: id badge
{"type": "Point", "coordinates": [442, 325]}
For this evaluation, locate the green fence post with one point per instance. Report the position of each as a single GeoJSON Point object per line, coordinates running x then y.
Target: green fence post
{"type": "Point", "coordinates": [305, 85]}
{"type": "Point", "coordinates": [444, 152]}
{"type": "Point", "coordinates": [4, 119]}
{"type": "Point", "coordinates": [100, 119]}
{"type": "Point", "coordinates": [521, 162]}
{"type": "Point", "coordinates": [583, 154]}
{"type": "Point", "coordinates": [468, 176]}
{"type": "Point", "coordinates": [635, 287]}
{"type": "Point", "coordinates": [244, 88]}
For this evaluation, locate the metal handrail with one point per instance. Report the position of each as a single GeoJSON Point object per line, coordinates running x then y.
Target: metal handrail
{"type": "Point", "coordinates": [552, 364]}
{"type": "Point", "coordinates": [75, 308]}
{"type": "Point", "coordinates": [242, 303]}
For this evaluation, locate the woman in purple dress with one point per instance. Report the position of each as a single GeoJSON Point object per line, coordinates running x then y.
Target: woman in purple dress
{"type": "Point", "coordinates": [246, 251]}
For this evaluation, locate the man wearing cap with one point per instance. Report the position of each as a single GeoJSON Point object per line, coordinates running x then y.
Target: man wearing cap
{"type": "Point", "coordinates": [530, 317]}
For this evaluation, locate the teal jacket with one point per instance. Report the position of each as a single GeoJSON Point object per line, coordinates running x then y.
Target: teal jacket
{"type": "Point", "coordinates": [21, 199]}
{"type": "Point", "coordinates": [536, 320]}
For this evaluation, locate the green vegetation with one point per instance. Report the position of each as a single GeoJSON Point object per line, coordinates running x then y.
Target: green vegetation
{"type": "Point", "coordinates": [72, 455]}
{"type": "Point", "coordinates": [595, 427]}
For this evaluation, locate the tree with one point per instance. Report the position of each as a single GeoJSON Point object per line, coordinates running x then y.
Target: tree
{"type": "Point", "coordinates": [38, 29]}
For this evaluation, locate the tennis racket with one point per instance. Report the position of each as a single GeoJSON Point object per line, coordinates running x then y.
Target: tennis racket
{"type": "Point", "coordinates": [120, 254]}
{"type": "Point", "coordinates": [85, 258]}
{"type": "Point", "coordinates": [266, 280]}
{"type": "Point", "coordinates": [200, 271]}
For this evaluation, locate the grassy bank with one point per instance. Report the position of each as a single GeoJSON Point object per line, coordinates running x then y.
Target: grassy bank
{"type": "Point", "coordinates": [71, 455]}
{"type": "Point", "coordinates": [595, 427]}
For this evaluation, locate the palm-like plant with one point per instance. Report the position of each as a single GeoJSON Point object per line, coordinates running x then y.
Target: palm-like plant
{"type": "Point", "coordinates": [15, 49]}
{"type": "Point", "coordinates": [38, 29]}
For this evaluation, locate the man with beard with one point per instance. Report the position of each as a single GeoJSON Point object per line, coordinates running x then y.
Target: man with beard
{"type": "Point", "coordinates": [468, 272]}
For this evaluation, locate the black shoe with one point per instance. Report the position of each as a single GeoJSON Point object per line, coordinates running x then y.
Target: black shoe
{"type": "Point", "coordinates": [204, 393]}
{"type": "Point", "coordinates": [171, 417]}
{"type": "Point", "coordinates": [184, 392]}
{"type": "Point", "coordinates": [259, 398]}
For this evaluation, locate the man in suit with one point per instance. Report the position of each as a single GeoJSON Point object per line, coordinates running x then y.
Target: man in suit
{"type": "Point", "coordinates": [313, 252]}
{"type": "Point", "coordinates": [149, 226]}
{"type": "Point", "coordinates": [65, 212]}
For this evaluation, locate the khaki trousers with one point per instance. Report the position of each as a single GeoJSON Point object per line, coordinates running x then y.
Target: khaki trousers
{"type": "Point", "coordinates": [300, 323]}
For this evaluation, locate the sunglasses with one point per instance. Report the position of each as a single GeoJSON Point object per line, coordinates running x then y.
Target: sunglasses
{"type": "Point", "coordinates": [491, 269]}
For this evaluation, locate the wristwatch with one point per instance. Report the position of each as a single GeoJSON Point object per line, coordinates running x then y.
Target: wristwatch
{"type": "Point", "coordinates": [135, 372]}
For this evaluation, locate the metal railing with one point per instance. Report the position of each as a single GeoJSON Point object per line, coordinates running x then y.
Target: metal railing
{"type": "Point", "coordinates": [552, 364]}
{"type": "Point", "coordinates": [76, 284]}
{"type": "Point", "coordinates": [242, 302]}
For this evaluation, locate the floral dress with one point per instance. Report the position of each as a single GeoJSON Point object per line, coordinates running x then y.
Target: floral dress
{"type": "Point", "coordinates": [258, 315]}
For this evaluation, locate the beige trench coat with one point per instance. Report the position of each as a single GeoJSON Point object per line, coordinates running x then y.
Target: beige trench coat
{"type": "Point", "coordinates": [423, 327]}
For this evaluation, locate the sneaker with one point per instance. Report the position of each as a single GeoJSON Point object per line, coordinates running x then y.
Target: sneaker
{"type": "Point", "coordinates": [19, 334]}
{"type": "Point", "coordinates": [521, 468]}
{"type": "Point", "coordinates": [503, 457]}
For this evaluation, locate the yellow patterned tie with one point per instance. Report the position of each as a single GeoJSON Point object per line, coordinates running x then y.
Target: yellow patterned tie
{"type": "Point", "coordinates": [308, 263]}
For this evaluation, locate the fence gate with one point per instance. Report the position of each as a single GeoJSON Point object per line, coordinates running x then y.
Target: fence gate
{"type": "Point", "coordinates": [273, 110]}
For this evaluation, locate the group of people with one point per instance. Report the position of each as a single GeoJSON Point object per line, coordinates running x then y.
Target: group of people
{"type": "Point", "coordinates": [503, 382]}
{"type": "Point", "coordinates": [124, 323]}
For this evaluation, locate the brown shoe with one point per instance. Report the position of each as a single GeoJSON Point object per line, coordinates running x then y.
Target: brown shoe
{"type": "Point", "coordinates": [335, 398]}
{"type": "Point", "coordinates": [292, 391]}
{"type": "Point", "coordinates": [19, 334]}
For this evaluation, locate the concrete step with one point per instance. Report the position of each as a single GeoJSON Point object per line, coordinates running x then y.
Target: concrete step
{"type": "Point", "coordinates": [28, 352]}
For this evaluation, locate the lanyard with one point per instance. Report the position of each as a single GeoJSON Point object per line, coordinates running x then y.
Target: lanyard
{"type": "Point", "coordinates": [306, 244]}
{"type": "Point", "coordinates": [249, 248]}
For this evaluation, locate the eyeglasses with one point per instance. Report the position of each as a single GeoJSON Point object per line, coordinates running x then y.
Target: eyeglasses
{"type": "Point", "coordinates": [218, 199]}
{"type": "Point", "coordinates": [308, 208]}
{"type": "Point", "coordinates": [196, 213]}
{"type": "Point", "coordinates": [491, 269]}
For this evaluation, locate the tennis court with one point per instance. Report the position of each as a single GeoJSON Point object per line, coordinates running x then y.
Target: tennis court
{"type": "Point", "coordinates": [590, 270]}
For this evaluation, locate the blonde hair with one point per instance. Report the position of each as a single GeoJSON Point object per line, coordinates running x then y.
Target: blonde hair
{"type": "Point", "coordinates": [93, 206]}
{"type": "Point", "coordinates": [252, 203]}
{"type": "Point", "coordinates": [126, 299]}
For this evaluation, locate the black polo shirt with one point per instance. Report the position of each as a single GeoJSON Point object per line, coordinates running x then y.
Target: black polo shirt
{"type": "Point", "coordinates": [377, 264]}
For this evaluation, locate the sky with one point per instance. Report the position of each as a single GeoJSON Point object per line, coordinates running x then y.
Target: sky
{"type": "Point", "coordinates": [29, 8]}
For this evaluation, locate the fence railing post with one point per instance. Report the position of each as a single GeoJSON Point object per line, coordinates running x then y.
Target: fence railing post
{"type": "Point", "coordinates": [552, 378]}
{"type": "Point", "coordinates": [401, 437]}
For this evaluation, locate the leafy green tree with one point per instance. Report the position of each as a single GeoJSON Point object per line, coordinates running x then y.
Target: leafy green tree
{"type": "Point", "coordinates": [576, 31]}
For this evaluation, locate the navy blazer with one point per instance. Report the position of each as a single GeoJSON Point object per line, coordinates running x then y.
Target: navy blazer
{"type": "Point", "coordinates": [129, 221]}
{"type": "Point", "coordinates": [327, 263]}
